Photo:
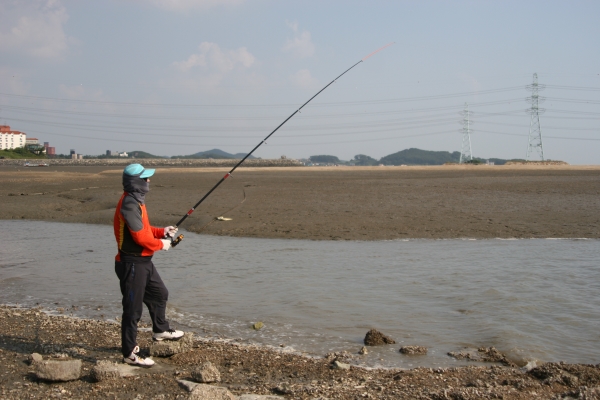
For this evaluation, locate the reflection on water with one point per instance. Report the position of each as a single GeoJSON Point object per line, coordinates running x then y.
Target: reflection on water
{"type": "Point", "coordinates": [532, 299]}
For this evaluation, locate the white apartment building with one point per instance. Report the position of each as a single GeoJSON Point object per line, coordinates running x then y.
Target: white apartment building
{"type": "Point", "coordinates": [11, 139]}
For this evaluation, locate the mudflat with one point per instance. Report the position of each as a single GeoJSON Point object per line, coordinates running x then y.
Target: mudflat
{"type": "Point", "coordinates": [327, 203]}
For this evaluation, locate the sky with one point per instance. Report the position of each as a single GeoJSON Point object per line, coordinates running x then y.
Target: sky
{"type": "Point", "coordinates": [176, 77]}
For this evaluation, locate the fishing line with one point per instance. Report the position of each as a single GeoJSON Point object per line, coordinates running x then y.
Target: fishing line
{"type": "Point", "coordinates": [178, 239]}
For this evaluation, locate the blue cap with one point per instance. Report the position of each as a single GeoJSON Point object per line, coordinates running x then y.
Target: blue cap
{"type": "Point", "coordinates": [137, 169]}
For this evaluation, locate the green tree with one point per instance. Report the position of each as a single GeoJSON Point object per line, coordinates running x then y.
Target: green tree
{"type": "Point", "coordinates": [324, 159]}
{"type": "Point", "coordinates": [362, 159]}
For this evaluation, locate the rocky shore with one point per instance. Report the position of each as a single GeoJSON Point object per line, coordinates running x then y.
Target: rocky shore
{"type": "Point", "coordinates": [31, 339]}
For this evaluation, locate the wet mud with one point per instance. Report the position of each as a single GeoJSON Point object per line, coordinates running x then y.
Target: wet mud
{"type": "Point", "coordinates": [336, 203]}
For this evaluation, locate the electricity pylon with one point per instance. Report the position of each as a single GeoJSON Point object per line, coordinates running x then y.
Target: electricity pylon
{"type": "Point", "coordinates": [465, 151]}
{"type": "Point", "coordinates": [535, 129]}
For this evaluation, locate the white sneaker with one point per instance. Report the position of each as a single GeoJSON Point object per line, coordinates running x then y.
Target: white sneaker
{"type": "Point", "coordinates": [170, 334]}
{"type": "Point", "coordinates": [134, 359]}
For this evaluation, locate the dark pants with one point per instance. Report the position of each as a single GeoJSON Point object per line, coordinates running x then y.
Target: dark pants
{"type": "Point", "coordinates": [140, 284]}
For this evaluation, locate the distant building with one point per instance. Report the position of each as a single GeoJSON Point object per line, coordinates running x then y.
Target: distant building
{"type": "Point", "coordinates": [50, 151]}
{"type": "Point", "coordinates": [112, 153]}
{"type": "Point", "coordinates": [33, 145]}
{"type": "Point", "coordinates": [10, 139]}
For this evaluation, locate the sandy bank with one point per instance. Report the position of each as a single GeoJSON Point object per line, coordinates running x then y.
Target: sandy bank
{"type": "Point", "coordinates": [328, 203]}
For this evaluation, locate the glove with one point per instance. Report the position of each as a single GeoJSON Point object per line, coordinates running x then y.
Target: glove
{"type": "Point", "coordinates": [170, 231]}
{"type": "Point", "coordinates": [166, 244]}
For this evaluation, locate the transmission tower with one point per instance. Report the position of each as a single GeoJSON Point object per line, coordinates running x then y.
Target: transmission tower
{"type": "Point", "coordinates": [465, 151]}
{"type": "Point", "coordinates": [535, 129]}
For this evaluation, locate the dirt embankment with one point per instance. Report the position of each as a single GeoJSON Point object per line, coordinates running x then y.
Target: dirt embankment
{"type": "Point", "coordinates": [343, 203]}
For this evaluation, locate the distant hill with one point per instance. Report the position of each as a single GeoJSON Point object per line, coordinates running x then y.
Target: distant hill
{"type": "Point", "coordinates": [364, 160]}
{"type": "Point", "coordinates": [214, 154]}
{"type": "Point", "coordinates": [142, 154]}
{"type": "Point", "coordinates": [420, 157]}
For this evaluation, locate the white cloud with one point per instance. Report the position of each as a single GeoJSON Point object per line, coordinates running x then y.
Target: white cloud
{"type": "Point", "coordinates": [212, 58]}
{"type": "Point", "coordinates": [300, 45]}
{"type": "Point", "coordinates": [34, 28]}
{"type": "Point", "coordinates": [304, 79]}
{"type": "Point", "coordinates": [184, 5]}
{"type": "Point", "coordinates": [72, 92]}
{"type": "Point", "coordinates": [12, 81]}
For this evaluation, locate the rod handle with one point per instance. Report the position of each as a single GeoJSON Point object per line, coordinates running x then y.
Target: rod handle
{"type": "Point", "coordinates": [175, 242]}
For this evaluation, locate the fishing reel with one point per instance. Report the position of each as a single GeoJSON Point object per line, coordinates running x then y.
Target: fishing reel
{"type": "Point", "coordinates": [175, 241]}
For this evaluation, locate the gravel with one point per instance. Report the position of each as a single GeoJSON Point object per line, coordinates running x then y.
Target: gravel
{"type": "Point", "coordinates": [250, 369]}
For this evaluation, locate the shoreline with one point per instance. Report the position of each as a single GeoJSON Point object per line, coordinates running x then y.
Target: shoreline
{"type": "Point", "coordinates": [248, 368]}
{"type": "Point", "coordinates": [366, 204]}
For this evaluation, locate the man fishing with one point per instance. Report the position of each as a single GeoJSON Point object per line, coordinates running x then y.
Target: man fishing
{"type": "Point", "coordinates": [140, 282]}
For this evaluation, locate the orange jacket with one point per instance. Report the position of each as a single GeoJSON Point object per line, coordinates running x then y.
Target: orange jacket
{"type": "Point", "coordinates": [133, 232]}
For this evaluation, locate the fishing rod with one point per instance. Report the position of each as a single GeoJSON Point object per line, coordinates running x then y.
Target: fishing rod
{"type": "Point", "coordinates": [175, 241]}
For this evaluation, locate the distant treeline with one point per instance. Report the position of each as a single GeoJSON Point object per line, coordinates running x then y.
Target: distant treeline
{"type": "Point", "coordinates": [405, 157]}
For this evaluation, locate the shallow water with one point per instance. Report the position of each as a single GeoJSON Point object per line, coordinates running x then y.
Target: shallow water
{"type": "Point", "coordinates": [533, 299]}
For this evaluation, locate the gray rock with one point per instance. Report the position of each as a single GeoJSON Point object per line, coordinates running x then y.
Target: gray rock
{"type": "Point", "coordinates": [207, 373]}
{"type": "Point", "coordinates": [58, 371]}
{"type": "Point", "coordinates": [376, 338]}
{"type": "Point", "coordinates": [259, 397]}
{"type": "Point", "coordinates": [489, 354]}
{"type": "Point", "coordinates": [168, 348]}
{"type": "Point", "coordinates": [187, 385]}
{"type": "Point", "coordinates": [283, 388]}
{"type": "Point", "coordinates": [340, 365]}
{"type": "Point", "coordinates": [35, 358]}
{"type": "Point", "coordinates": [363, 351]}
{"type": "Point", "coordinates": [202, 391]}
{"type": "Point", "coordinates": [257, 326]}
{"type": "Point", "coordinates": [530, 365]}
{"type": "Point", "coordinates": [105, 370]}
{"type": "Point", "coordinates": [412, 350]}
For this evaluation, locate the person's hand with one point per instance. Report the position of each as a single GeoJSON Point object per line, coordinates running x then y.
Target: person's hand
{"type": "Point", "coordinates": [166, 244]}
{"type": "Point", "coordinates": [170, 231]}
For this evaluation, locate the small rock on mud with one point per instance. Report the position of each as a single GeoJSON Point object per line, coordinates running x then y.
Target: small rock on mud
{"type": "Point", "coordinates": [376, 338]}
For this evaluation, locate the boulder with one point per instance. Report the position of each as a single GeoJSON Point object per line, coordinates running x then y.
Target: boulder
{"type": "Point", "coordinates": [340, 365]}
{"type": "Point", "coordinates": [413, 350]}
{"type": "Point", "coordinates": [35, 358]}
{"type": "Point", "coordinates": [207, 373]}
{"type": "Point", "coordinates": [257, 326]}
{"type": "Point", "coordinates": [202, 391]}
{"type": "Point", "coordinates": [104, 370]}
{"type": "Point", "coordinates": [58, 371]}
{"type": "Point", "coordinates": [376, 338]}
{"type": "Point", "coordinates": [168, 348]}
